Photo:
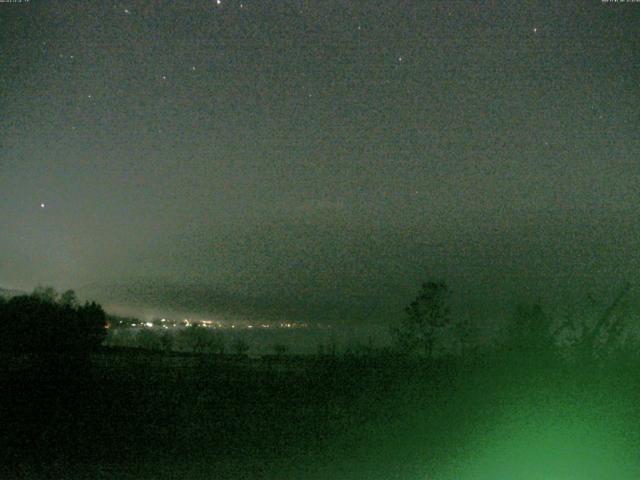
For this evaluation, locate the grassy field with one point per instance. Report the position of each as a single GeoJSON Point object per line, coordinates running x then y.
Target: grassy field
{"type": "Point", "coordinates": [127, 414]}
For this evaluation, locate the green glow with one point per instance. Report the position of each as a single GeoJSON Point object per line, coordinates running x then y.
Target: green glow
{"type": "Point", "coordinates": [551, 440]}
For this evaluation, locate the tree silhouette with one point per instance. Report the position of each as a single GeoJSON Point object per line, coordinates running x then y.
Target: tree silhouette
{"type": "Point", "coordinates": [47, 294]}
{"type": "Point", "coordinates": [68, 299]}
{"type": "Point", "coordinates": [425, 317]}
{"type": "Point", "coordinates": [43, 322]}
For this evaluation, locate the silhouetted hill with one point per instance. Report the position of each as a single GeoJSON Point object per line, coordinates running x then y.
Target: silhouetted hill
{"type": "Point", "coordinates": [206, 299]}
{"type": "Point", "coordinates": [179, 297]}
{"type": "Point", "coordinates": [8, 292]}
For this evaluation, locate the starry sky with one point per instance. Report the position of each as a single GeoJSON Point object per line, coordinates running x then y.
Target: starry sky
{"type": "Point", "coordinates": [318, 159]}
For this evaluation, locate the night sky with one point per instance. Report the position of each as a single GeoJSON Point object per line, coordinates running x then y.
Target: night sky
{"type": "Point", "coordinates": [319, 159]}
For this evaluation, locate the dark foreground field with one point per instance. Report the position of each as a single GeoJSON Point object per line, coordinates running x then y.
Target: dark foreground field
{"type": "Point", "coordinates": [136, 415]}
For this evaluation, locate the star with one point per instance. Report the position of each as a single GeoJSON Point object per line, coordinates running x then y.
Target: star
{"type": "Point", "coordinates": [42, 205]}
{"type": "Point", "coordinates": [535, 29]}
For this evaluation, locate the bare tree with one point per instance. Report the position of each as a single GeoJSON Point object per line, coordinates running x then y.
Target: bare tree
{"type": "Point", "coordinates": [601, 337]}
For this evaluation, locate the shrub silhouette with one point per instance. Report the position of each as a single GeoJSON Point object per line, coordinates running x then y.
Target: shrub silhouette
{"type": "Point", "coordinates": [149, 339]}
{"type": "Point", "coordinates": [200, 339]}
{"type": "Point", "coordinates": [240, 345]}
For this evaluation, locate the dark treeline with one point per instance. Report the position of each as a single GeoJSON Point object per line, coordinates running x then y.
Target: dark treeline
{"type": "Point", "coordinates": [395, 412]}
{"type": "Point", "coordinates": [46, 323]}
